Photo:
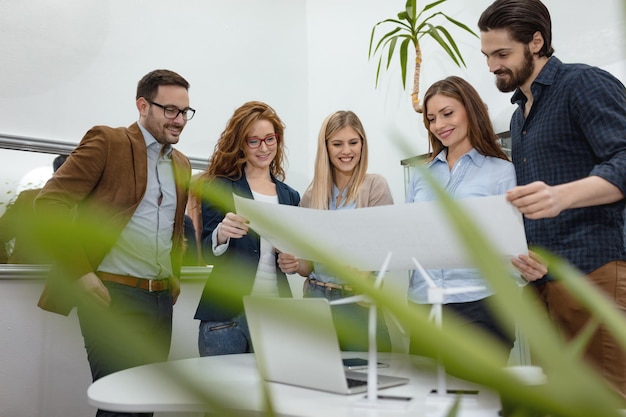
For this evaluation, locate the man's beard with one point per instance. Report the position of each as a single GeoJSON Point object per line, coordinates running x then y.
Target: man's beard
{"type": "Point", "coordinates": [518, 77]}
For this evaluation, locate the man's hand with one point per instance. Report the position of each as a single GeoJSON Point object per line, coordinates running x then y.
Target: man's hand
{"type": "Point", "coordinates": [539, 200]}
{"type": "Point", "coordinates": [93, 287]}
{"type": "Point", "coordinates": [174, 289]}
{"type": "Point", "coordinates": [532, 267]}
{"type": "Point", "coordinates": [536, 200]}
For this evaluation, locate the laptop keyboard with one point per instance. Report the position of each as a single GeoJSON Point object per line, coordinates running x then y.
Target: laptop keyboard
{"type": "Point", "coordinates": [355, 382]}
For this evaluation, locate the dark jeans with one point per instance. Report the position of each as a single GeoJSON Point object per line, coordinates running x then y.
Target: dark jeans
{"type": "Point", "coordinates": [136, 329]}
{"type": "Point", "coordinates": [475, 313]}
{"type": "Point", "coordinates": [224, 337]}
{"type": "Point", "coordinates": [351, 320]}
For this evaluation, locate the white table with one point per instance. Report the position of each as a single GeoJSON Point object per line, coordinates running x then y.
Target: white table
{"type": "Point", "coordinates": [179, 386]}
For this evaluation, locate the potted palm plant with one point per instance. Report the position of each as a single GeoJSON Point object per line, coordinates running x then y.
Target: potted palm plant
{"type": "Point", "coordinates": [407, 30]}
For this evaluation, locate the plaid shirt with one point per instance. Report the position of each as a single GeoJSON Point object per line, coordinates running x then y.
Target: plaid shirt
{"type": "Point", "coordinates": [576, 128]}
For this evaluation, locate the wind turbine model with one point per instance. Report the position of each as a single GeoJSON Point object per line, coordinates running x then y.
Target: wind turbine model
{"type": "Point", "coordinates": [436, 296]}
{"type": "Point", "coordinates": [372, 399]}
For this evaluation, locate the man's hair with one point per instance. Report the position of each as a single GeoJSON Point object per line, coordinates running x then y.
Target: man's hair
{"type": "Point", "coordinates": [522, 19]}
{"type": "Point", "coordinates": [149, 84]}
{"type": "Point", "coordinates": [58, 161]}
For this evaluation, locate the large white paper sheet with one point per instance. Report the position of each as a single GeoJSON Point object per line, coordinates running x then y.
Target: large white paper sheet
{"type": "Point", "coordinates": [362, 238]}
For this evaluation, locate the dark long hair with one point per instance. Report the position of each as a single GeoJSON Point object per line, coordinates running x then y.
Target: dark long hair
{"type": "Point", "coordinates": [480, 130]}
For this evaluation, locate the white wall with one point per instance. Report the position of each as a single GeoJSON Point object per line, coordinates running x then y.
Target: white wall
{"type": "Point", "coordinates": [305, 58]}
{"type": "Point", "coordinates": [69, 65]}
{"type": "Point", "coordinates": [341, 76]}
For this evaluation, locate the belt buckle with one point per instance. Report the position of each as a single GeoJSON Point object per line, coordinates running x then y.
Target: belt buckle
{"type": "Point", "coordinates": [150, 282]}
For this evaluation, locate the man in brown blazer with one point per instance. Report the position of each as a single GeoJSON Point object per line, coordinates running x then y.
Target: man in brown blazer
{"type": "Point", "coordinates": [112, 217]}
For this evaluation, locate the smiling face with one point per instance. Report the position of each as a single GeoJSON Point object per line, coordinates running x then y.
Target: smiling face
{"type": "Point", "coordinates": [344, 150]}
{"type": "Point", "coordinates": [447, 120]}
{"type": "Point", "coordinates": [152, 117]}
{"type": "Point", "coordinates": [261, 157]}
{"type": "Point", "coordinates": [511, 62]}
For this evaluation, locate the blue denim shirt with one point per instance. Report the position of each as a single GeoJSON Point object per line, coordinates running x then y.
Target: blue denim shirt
{"type": "Point", "coordinates": [473, 175]}
{"type": "Point", "coordinates": [576, 128]}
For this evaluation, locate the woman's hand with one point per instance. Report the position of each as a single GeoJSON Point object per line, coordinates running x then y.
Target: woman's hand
{"type": "Point", "coordinates": [232, 226]}
{"type": "Point", "coordinates": [288, 263]}
{"type": "Point", "coordinates": [531, 266]}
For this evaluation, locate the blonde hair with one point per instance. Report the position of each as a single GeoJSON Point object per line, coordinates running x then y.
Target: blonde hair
{"type": "Point", "coordinates": [321, 188]}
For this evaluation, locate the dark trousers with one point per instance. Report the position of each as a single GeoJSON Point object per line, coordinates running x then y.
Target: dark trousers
{"type": "Point", "coordinates": [136, 329]}
{"type": "Point", "coordinates": [476, 313]}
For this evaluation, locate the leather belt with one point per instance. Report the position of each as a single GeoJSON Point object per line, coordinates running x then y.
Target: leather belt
{"type": "Point", "coordinates": [151, 285]}
{"type": "Point", "coordinates": [331, 285]}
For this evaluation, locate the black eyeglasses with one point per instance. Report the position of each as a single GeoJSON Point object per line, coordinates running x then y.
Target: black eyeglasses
{"type": "Point", "coordinates": [269, 140]}
{"type": "Point", "coordinates": [172, 112]}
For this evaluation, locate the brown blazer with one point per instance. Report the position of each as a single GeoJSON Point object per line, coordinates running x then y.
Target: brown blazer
{"type": "Point", "coordinates": [85, 206]}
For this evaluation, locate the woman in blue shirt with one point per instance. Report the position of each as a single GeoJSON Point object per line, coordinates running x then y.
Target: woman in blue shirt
{"type": "Point", "coordinates": [341, 182]}
{"type": "Point", "coordinates": [466, 161]}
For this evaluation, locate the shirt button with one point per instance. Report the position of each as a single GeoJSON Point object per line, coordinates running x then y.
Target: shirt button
{"type": "Point", "coordinates": [523, 132]}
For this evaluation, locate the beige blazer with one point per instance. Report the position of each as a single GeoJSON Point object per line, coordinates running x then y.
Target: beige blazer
{"type": "Point", "coordinates": [373, 192]}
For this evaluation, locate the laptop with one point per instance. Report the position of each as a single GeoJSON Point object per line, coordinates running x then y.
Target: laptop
{"type": "Point", "coordinates": [295, 343]}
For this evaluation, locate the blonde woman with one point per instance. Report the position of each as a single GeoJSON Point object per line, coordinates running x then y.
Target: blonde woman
{"type": "Point", "coordinates": [341, 182]}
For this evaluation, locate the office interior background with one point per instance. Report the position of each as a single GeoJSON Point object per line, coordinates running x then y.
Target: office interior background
{"type": "Point", "coordinates": [67, 66]}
